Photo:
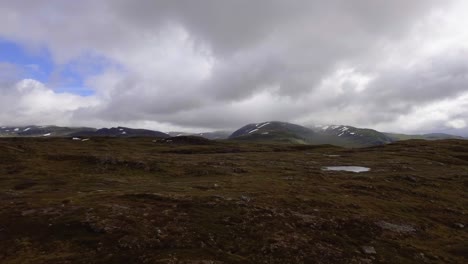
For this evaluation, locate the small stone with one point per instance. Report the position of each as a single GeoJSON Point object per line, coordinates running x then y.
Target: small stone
{"type": "Point", "coordinates": [245, 198]}
{"type": "Point", "coordinates": [411, 179]}
{"type": "Point", "coordinates": [421, 256]}
{"type": "Point", "coordinates": [459, 225]}
{"type": "Point", "coordinates": [395, 228]}
{"type": "Point", "coordinates": [28, 212]}
{"type": "Point", "coordinates": [368, 250]}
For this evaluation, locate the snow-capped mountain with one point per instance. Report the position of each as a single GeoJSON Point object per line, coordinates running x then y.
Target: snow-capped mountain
{"type": "Point", "coordinates": [120, 132]}
{"type": "Point", "coordinates": [286, 132]}
{"type": "Point", "coordinates": [41, 131]}
{"type": "Point", "coordinates": [356, 136]}
{"type": "Point", "coordinates": [56, 131]}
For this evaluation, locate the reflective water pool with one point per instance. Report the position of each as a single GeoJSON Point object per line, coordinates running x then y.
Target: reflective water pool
{"type": "Point", "coordinates": [346, 168]}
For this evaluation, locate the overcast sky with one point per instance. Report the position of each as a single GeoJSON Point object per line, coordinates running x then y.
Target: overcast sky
{"type": "Point", "coordinates": [394, 65]}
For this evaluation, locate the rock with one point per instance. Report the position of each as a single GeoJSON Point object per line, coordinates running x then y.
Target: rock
{"type": "Point", "coordinates": [421, 257]}
{"type": "Point", "coordinates": [368, 250]}
{"type": "Point", "coordinates": [410, 178]}
{"type": "Point", "coordinates": [459, 225]}
{"type": "Point", "coordinates": [395, 227]}
{"type": "Point", "coordinates": [28, 212]}
{"type": "Point", "coordinates": [245, 198]}
{"type": "Point", "coordinates": [305, 217]}
{"type": "Point", "coordinates": [129, 242]}
{"type": "Point", "coordinates": [239, 170]}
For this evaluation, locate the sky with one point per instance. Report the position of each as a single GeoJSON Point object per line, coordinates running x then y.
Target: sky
{"type": "Point", "coordinates": [395, 66]}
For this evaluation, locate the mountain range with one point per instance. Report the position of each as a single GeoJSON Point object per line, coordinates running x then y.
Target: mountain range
{"type": "Point", "coordinates": [346, 136]}
{"type": "Point", "coordinates": [272, 131]}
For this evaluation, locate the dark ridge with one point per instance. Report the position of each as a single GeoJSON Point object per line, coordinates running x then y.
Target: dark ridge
{"type": "Point", "coordinates": [188, 140]}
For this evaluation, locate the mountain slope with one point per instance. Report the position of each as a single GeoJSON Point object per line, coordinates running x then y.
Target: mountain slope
{"type": "Point", "coordinates": [432, 136]}
{"type": "Point", "coordinates": [120, 132]}
{"type": "Point", "coordinates": [213, 135]}
{"type": "Point", "coordinates": [361, 137]}
{"type": "Point", "coordinates": [41, 131]}
{"type": "Point", "coordinates": [56, 131]}
{"type": "Point", "coordinates": [274, 131]}
{"type": "Point", "coordinates": [345, 136]}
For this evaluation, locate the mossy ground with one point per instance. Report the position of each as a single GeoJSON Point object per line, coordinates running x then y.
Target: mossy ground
{"type": "Point", "coordinates": [133, 200]}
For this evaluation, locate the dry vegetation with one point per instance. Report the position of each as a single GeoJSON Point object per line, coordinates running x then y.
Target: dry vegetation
{"type": "Point", "coordinates": [138, 201]}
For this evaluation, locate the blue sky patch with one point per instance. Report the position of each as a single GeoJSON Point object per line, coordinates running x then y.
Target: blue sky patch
{"type": "Point", "coordinates": [35, 65]}
{"type": "Point", "coordinates": [38, 64]}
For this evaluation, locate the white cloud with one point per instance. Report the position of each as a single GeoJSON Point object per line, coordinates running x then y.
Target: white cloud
{"type": "Point", "coordinates": [31, 102]}
{"type": "Point", "coordinates": [457, 123]}
{"type": "Point", "coordinates": [447, 115]}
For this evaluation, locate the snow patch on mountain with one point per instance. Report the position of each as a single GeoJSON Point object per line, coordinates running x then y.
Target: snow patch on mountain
{"type": "Point", "coordinates": [264, 124]}
{"type": "Point", "coordinates": [253, 130]}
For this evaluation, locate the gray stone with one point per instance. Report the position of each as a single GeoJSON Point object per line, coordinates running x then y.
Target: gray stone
{"type": "Point", "coordinates": [28, 212]}
{"type": "Point", "coordinates": [369, 250]}
{"type": "Point", "coordinates": [245, 198]}
{"type": "Point", "coordinates": [395, 227]}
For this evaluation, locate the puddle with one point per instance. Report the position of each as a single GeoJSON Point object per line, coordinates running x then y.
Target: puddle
{"type": "Point", "coordinates": [346, 168]}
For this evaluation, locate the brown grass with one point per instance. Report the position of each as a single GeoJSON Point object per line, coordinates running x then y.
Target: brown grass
{"type": "Point", "coordinates": [132, 200]}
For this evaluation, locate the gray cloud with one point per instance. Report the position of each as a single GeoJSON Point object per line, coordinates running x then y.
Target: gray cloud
{"type": "Point", "coordinates": [8, 74]}
{"type": "Point", "coordinates": [220, 64]}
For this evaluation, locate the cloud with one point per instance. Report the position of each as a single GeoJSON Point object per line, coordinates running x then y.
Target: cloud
{"type": "Point", "coordinates": [31, 102]}
{"type": "Point", "coordinates": [221, 64]}
{"type": "Point", "coordinates": [8, 73]}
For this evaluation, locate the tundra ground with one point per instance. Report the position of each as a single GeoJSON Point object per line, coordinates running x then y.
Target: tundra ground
{"type": "Point", "coordinates": [133, 200]}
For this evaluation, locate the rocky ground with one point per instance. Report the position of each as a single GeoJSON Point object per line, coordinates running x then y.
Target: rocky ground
{"type": "Point", "coordinates": [139, 200]}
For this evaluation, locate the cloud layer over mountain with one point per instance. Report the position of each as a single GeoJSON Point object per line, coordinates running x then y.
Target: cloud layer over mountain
{"type": "Point", "coordinates": [390, 65]}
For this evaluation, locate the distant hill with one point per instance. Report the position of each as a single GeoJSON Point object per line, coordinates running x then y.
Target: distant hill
{"type": "Point", "coordinates": [275, 131]}
{"type": "Point", "coordinates": [187, 140]}
{"type": "Point", "coordinates": [56, 131]}
{"type": "Point", "coordinates": [353, 136]}
{"type": "Point", "coordinates": [272, 131]}
{"type": "Point", "coordinates": [41, 131]}
{"type": "Point", "coordinates": [431, 136]}
{"type": "Point", "coordinates": [120, 132]}
{"type": "Point", "coordinates": [214, 135]}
